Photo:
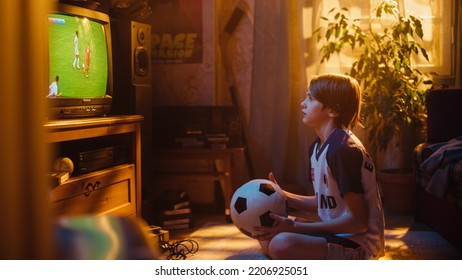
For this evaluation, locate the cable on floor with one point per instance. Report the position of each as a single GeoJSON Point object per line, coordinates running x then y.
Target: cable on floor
{"type": "Point", "coordinates": [179, 250]}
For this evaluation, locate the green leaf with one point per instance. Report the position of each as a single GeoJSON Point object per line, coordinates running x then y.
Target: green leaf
{"type": "Point", "coordinates": [424, 53]}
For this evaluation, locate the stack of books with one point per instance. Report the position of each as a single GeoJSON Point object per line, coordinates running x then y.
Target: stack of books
{"type": "Point", "coordinates": [189, 142]}
{"type": "Point", "coordinates": [174, 210]}
{"type": "Point", "coordinates": [192, 138]}
{"type": "Point", "coordinates": [217, 140]}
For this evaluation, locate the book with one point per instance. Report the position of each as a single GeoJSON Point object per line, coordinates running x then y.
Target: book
{"type": "Point", "coordinates": [163, 217]}
{"type": "Point", "coordinates": [176, 222]}
{"type": "Point", "coordinates": [221, 137]}
{"type": "Point", "coordinates": [176, 212]}
{"type": "Point", "coordinates": [193, 131]}
{"type": "Point", "coordinates": [219, 140]}
{"type": "Point", "coordinates": [179, 205]}
{"type": "Point", "coordinates": [170, 222]}
{"type": "Point", "coordinates": [190, 142]}
{"type": "Point", "coordinates": [178, 226]}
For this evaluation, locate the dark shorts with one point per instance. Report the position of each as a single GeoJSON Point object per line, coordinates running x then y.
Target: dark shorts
{"type": "Point", "coordinates": [340, 248]}
{"type": "Point", "coordinates": [344, 242]}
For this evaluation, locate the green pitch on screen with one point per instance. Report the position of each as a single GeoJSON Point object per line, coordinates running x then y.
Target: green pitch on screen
{"type": "Point", "coordinates": [73, 82]}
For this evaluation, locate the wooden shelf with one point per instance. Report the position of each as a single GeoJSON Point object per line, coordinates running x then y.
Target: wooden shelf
{"type": "Point", "coordinates": [114, 190]}
{"type": "Point", "coordinates": [221, 158]}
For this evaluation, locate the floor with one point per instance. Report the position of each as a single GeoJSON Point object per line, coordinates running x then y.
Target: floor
{"type": "Point", "coordinates": [203, 214]}
{"type": "Point", "coordinates": [420, 243]}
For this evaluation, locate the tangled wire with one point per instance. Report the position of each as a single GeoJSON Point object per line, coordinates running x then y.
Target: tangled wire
{"type": "Point", "coordinates": [179, 250]}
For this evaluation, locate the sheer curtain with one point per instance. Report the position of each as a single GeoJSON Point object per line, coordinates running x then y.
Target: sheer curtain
{"type": "Point", "coordinates": [278, 141]}
{"type": "Point", "coordinates": [272, 55]}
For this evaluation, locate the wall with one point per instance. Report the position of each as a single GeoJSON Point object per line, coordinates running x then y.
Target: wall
{"type": "Point", "coordinates": [177, 80]}
{"type": "Point", "coordinates": [201, 82]}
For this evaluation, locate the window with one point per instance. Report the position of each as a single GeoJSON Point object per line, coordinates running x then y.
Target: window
{"type": "Point", "coordinates": [438, 19]}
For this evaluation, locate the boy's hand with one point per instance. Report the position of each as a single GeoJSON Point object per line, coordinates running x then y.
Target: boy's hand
{"type": "Point", "coordinates": [273, 179]}
{"type": "Point", "coordinates": [281, 224]}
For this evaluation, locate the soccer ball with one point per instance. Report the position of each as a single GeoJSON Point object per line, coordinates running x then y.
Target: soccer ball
{"type": "Point", "coordinates": [63, 164]}
{"type": "Point", "coordinates": [252, 204]}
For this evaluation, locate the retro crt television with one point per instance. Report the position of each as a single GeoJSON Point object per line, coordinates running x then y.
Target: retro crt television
{"type": "Point", "coordinates": [80, 54]}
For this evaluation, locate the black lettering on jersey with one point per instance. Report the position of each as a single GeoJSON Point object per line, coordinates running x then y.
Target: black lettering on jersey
{"type": "Point", "coordinates": [325, 180]}
{"type": "Point", "coordinates": [327, 202]}
{"type": "Point", "coordinates": [368, 166]}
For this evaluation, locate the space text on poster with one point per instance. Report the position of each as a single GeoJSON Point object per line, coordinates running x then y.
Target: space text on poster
{"type": "Point", "coordinates": [177, 31]}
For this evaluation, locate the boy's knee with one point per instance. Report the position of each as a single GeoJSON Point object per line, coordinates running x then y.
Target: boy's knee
{"type": "Point", "coordinates": [281, 246]}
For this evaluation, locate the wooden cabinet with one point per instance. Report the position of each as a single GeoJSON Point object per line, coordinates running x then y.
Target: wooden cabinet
{"type": "Point", "coordinates": [109, 191]}
{"type": "Point", "coordinates": [114, 189]}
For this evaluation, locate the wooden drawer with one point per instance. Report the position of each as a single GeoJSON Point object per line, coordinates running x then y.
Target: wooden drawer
{"type": "Point", "coordinates": [108, 191]}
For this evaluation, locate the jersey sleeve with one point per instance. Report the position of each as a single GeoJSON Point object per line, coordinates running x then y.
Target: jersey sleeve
{"type": "Point", "coordinates": [310, 153]}
{"type": "Point", "coordinates": [345, 162]}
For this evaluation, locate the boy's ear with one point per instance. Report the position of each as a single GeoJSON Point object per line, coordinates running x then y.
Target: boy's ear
{"type": "Point", "coordinates": [333, 113]}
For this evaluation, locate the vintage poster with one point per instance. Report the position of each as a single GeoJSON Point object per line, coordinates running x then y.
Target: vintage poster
{"type": "Point", "coordinates": [176, 31]}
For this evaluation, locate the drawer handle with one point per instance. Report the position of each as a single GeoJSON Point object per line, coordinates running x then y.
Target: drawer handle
{"type": "Point", "coordinates": [91, 187]}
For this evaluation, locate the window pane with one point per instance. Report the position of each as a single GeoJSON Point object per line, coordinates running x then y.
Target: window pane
{"type": "Point", "coordinates": [437, 19]}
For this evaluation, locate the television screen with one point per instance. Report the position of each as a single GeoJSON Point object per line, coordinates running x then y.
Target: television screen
{"type": "Point", "coordinates": [78, 57]}
{"type": "Point", "coordinates": [80, 63]}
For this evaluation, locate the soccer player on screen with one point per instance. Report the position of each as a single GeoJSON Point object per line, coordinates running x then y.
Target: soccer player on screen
{"type": "Point", "coordinates": [76, 51]}
{"type": "Point", "coordinates": [86, 66]}
{"type": "Point", "coordinates": [53, 88]}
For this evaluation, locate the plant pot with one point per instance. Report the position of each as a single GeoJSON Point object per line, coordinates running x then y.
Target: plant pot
{"type": "Point", "coordinates": [399, 191]}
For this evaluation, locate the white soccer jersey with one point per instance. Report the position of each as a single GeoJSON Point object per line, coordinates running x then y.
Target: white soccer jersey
{"type": "Point", "coordinates": [53, 89]}
{"type": "Point", "coordinates": [342, 165]}
{"type": "Point", "coordinates": [76, 45]}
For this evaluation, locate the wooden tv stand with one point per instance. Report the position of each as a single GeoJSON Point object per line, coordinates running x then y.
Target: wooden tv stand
{"type": "Point", "coordinates": [112, 190]}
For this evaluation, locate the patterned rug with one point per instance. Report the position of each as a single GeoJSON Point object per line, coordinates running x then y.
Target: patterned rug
{"type": "Point", "coordinates": [219, 241]}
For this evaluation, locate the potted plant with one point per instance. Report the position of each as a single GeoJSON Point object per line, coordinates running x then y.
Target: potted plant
{"type": "Point", "coordinates": [394, 90]}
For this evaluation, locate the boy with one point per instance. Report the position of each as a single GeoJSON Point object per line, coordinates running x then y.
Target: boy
{"type": "Point", "coordinates": [347, 198]}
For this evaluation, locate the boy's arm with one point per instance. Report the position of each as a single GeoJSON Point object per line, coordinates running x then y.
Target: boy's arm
{"type": "Point", "coordinates": [297, 201]}
{"type": "Point", "coordinates": [354, 221]}
{"type": "Point", "coordinates": [301, 202]}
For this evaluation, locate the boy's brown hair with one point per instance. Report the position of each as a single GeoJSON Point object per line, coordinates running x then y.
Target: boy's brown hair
{"type": "Point", "coordinates": [340, 93]}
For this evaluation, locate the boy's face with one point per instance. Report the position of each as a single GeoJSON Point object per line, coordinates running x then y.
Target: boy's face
{"type": "Point", "coordinates": [314, 113]}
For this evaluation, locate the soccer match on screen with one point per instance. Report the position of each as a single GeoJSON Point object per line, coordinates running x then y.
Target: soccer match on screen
{"type": "Point", "coordinates": [78, 57]}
